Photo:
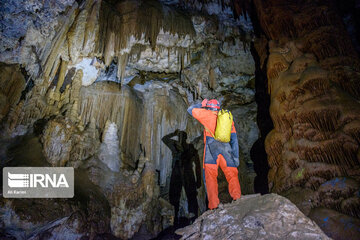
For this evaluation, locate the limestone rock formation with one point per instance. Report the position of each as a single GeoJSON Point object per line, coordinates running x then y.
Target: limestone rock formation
{"type": "Point", "coordinates": [86, 215]}
{"type": "Point", "coordinates": [313, 78]}
{"type": "Point", "coordinates": [96, 85]}
{"type": "Point", "coordinates": [57, 143]}
{"type": "Point", "coordinates": [254, 217]}
{"type": "Point", "coordinates": [12, 83]}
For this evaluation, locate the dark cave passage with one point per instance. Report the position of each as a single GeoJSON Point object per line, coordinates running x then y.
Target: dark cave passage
{"type": "Point", "coordinates": [257, 152]}
{"type": "Point", "coordinates": [263, 119]}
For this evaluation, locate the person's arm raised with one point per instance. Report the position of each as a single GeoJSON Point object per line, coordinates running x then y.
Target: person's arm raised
{"type": "Point", "coordinates": [196, 105]}
{"type": "Point", "coordinates": [170, 143]}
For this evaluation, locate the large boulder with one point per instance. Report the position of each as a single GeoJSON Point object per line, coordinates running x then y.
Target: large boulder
{"type": "Point", "coordinates": [254, 217]}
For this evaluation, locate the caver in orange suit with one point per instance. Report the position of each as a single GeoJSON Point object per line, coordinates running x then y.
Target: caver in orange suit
{"type": "Point", "coordinates": [217, 153]}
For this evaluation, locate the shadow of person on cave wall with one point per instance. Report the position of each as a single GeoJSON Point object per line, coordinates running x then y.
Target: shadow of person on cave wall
{"type": "Point", "coordinates": [183, 175]}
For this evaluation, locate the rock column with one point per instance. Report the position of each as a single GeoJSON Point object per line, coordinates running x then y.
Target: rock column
{"type": "Point", "coordinates": [313, 76]}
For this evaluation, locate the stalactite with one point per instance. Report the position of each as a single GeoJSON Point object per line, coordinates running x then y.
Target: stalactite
{"type": "Point", "coordinates": [294, 95]}
{"type": "Point", "coordinates": [332, 152]}
{"type": "Point", "coordinates": [75, 36]}
{"type": "Point", "coordinates": [15, 115]}
{"type": "Point", "coordinates": [329, 42]}
{"type": "Point", "coordinates": [313, 18]}
{"type": "Point", "coordinates": [334, 63]}
{"type": "Point", "coordinates": [275, 20]}
{"type": "Point", "coordinates": [122, 62]}
{"type": "Point", "coordinates": [323, 170]}
{"type": "Point", "coordinates": [347, 78]}
{"type": "Point", "coordinates": [109, 52]}
{"type": "Point", "coordinates": [68, 78]}
{"type": "Point", "coordinates": [315, 115]}
{"type": "Point", "coordinates": [136, 51]}
{"type": "Point", "coordinates": [274, 148]}
{"type": "Point", "coordinates": [282, 123]}
{"type": "Point", "coordinates": [133, 22]}
{"type": "Point", "coordinates": [300, 61]}
{"type": "Point", "coordinates": [63, 69]}
{"type": "Point", "coordinates": [322, 120]}
{"type": "Point", "coordinates": [317, 86]}
{"type": "Point", "coordinates": [351, 206]}
{"type": "Point", "coordinates": [276, 64]}
{"type": "Point", "coordinates": [51, 55]}
{"type": "Point", "coordinates": [54, 74]}
{"type": "Point", "coordinates": [353, 129]}
{"type": "Point", "coordinates": [91, 28]}
{"type": "Point", "coordinates": [74, 96]}
{"type": "Point", "coordinates": [292, 159]}
{"type": "Point", "coordinates": [37, 108]}
{"type": "Point", "coordinates": [303, 130]}
{"type": "Point", "coordinates": [95, 98]}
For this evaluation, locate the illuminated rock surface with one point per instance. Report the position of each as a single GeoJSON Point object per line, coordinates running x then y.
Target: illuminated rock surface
{"type": "Point", "coordinates": [96, 85]}
{"type": "Point", "coordinates": [313, 78]}
{"type": "Point", "coordinates": [254, 217]}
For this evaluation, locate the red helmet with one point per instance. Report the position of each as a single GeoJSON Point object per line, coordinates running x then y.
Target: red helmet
{"type": "Point", "coordinates": [213, 103]}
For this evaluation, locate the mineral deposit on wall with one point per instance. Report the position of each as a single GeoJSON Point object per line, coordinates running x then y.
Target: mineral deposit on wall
{"type": "Point", "coordinates": [313, 77]}
{"type": "Point", "coordinates": [97, 84]}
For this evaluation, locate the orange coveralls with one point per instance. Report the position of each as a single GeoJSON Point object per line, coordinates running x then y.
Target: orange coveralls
{"type": "Point", "coordinates": [217, 153]}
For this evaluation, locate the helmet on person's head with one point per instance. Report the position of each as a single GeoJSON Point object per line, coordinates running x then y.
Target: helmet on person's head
{"type": "Point", "coordinates": [213, 103]}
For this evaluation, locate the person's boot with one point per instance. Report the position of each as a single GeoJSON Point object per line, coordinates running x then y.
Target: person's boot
{"type": "Point", "coordinates": [220, 206]}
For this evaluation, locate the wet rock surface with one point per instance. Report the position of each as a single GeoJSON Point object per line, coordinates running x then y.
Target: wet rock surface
{"type": "Point", "coordinates": [254, 217]}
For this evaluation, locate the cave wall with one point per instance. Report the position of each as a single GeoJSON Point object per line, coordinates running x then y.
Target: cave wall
{"type": "Point", "coordinates": [313, 78]}
{"type": "Point", "coordinates": [97, 84]}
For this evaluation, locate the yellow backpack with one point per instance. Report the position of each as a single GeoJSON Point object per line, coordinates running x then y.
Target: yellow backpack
{"type": "Point", "coordinates": [223, 126]}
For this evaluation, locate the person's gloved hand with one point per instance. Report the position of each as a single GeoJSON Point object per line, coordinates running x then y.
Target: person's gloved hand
{"type": "Point", "coordinates": [204, 102]}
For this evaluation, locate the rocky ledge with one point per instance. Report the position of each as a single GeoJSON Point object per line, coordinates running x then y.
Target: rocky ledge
{"type": "Point", "coordinates": [254, 217]}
